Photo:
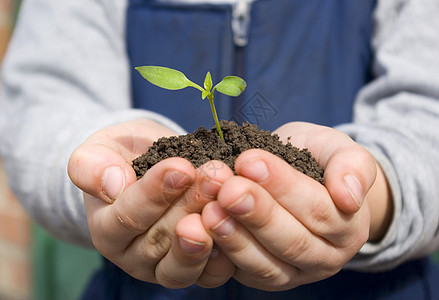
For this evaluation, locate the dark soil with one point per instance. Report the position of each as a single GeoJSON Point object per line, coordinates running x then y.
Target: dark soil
{"type": "Point", "coordinates": [204, 145]}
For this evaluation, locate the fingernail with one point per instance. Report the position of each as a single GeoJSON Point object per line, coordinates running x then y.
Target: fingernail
{"type": "Point", "coordinates": [354, 188]}
{"type": "Point", "coordinates": [225, 227]}
{"type": "Point", "coordinates": [191, 246]}
{"type": "Point", "coordinates": [242, 205]}
{"type": "Point", "coordinates": [176, 179]}
{"type": "Point", "coordinates": [256, 170]}
{"type": "Point", "coordinates": [210, 187]}
{"type": "Point", "coordinates": [113, 182]}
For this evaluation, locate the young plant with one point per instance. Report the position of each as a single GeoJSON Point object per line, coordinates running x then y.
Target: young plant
{"type": "Point", "coordinates": [175, 80]}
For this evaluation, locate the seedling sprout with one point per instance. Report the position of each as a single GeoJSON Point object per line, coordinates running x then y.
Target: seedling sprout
{"type": "Point", "coordinates": [171, 79]}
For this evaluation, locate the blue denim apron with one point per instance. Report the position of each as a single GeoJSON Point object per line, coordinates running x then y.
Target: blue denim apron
{"type": "Point", "coordinates": [303, 61]}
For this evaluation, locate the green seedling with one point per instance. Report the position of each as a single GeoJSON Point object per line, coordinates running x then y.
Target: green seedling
{"type": "Point", "coordinates": [171, 79]}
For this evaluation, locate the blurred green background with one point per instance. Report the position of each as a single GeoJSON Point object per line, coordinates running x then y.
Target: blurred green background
{"type": "Point", "coordinates": [61, 270]}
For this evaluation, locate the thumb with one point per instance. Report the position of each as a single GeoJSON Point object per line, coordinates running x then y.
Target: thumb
{"type": "Point", "coordinates": [101, 166]}
{"type": "Point", "coordinates": [100, 171]}
{"type": "Point", "coordinates": [350, 170]}
{"type": "Point", "coordinates": [349, 174]}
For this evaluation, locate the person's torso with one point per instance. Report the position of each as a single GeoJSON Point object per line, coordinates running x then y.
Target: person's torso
{"type": "Point", "coordinates": [303, 60]}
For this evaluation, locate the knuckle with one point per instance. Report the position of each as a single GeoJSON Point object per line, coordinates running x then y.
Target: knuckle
{"type": "Point", "coordinates": [150, 248]}
{"type": "Point", "coordinates": [274, 279]}
{"type": "Point", "coordinates": [157, 243]}
{"type": "Point", "coordinates": [267, 275]}
{"type": "Point", "coordinates": [321, 218]}
{"type": "Point", "coordinates": [272, 275]}
{"type": "Point", "coordinates": [127, 222]}
{"type": "Point", "coordinates": [297, 247]}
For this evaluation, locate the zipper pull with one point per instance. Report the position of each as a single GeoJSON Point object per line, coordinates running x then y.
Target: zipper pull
{"type": "Point", "coordinates": [241, 22]}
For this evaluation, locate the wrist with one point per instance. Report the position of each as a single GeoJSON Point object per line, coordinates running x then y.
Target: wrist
{"type": "Point", "coordinates": [380, 202]}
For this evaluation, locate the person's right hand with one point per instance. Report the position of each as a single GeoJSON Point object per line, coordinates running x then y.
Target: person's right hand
{"type": "Point", "coordinates": [150, 228]}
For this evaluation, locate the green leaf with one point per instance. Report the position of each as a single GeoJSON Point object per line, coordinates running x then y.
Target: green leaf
{"type": "Point", "coordinates": [231, 86]}
{"type": "Point", "coordinates": [165, 77]}
{"type": "Point", "coordinates": [208, 82]}
{"type": "Point", "coordinates": [204, 94]}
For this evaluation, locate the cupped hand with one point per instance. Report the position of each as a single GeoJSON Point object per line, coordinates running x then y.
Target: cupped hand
{"type": "Point", "coordinates": [282, 228]}
{"type": "Point", "coordinates": [150, 227]}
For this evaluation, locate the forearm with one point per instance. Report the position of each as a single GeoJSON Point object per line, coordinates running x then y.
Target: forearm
{"type": "Point", "coordinates": [396, 117]}
{"type": "Point", "coordinates": [65, 76]}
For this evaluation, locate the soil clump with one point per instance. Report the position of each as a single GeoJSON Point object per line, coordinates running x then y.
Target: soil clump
{"type": "Point", "coordinates": [204, 145]}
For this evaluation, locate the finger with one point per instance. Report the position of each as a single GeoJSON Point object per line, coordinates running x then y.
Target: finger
{"type": "Point", "coordinates": [139, 206]}
{"type": "Point", "coordinates": [350, 173]}
{"type": "Point", "coordinates": [101, 166]}
{"type": "Point", "coordinates": [302, 196]}
{"type": "Point", "coordinates": [350, 170]}
{"type": "Point", "coordinates": [255, 265]}
{"type": "Point", "coordinates": [148, 248]}
{"type": "Point", "coordinates": [218, 270]}
{"type": "Point", "coordinates": [276, 229]}
{"type": "Point", "coordinates": [185, 261]}
{"type": "Point", "coordinates": [100, 171]}
{"type": "Point", "coordinates": [210, 177]}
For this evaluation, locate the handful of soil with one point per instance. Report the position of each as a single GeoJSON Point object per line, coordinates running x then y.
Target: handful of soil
{"type": "Point", "coordinates": [204, 145]}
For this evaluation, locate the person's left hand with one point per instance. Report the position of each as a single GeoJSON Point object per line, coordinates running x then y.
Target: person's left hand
{"type": "Point", "coordinates": [282, 228]}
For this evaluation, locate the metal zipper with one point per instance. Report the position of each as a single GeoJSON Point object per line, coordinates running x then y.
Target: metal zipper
{"type": "Point", "coordinates": [241, 22]}
{"type": "Point", "coordinates": [240, 16]}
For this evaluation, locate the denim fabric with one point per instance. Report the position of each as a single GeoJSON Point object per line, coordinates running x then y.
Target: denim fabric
{"type": "Point", "coordinates": [305, 60]}
{"type": "Point", "coordinates": [414, 280]}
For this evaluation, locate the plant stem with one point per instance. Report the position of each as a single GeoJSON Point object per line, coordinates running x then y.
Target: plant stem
{"type": "Point", "coordinates": [215, 117]}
